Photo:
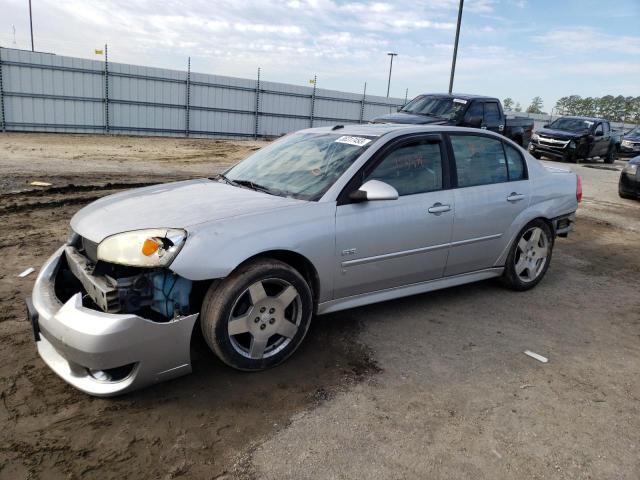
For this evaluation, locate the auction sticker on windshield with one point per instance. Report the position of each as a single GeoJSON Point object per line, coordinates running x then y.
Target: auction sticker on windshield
{"type": "Point", "coordinates": [357, 141]}
{"type": "Point", "coordinates": [459, 100]}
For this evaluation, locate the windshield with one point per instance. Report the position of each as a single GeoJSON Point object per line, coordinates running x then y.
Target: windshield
{"type": "Point", "coordinates": [442, 107]}
{"type": "Point", "coordinates": [634, 132]}
{"type": "Point", "coordinates": [571, 124]}
{"type": "Point", "coordinates": [301, 165]}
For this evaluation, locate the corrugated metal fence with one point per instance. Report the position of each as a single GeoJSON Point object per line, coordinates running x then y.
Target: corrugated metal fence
{"type": "Point", "coordinates": [51, 93]}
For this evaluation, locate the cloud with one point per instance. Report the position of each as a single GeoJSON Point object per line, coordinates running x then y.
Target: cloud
{"type": "Point", "coordinates": [586, 40]}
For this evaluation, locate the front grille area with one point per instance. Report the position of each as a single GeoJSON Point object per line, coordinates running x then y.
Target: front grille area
{"type": "Point", "coordinates": [553, 143]}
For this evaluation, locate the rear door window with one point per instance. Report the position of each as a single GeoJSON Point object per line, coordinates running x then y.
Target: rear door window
{"type": "Point", "coordinates": [515, 164]}
{"type": "Point", "coordinates": [479, 160]}
{"type": "Point", "coordinates": [491, 112]}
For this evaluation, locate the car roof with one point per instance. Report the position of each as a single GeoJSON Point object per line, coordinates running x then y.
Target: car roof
{"type": "Point", "coordinates": [380, 129]}
{"type": "Point", "coordinates": [590, 119]}
{"type": "Point", "coordinates": [462, 96]}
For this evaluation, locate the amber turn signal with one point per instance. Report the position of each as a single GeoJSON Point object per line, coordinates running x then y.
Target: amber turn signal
{"type": "Point", "coordinates": [151, 246]}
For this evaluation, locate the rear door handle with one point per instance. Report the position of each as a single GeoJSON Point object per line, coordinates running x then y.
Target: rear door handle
{"type": "Point", "coordinates": [515, 197]}
{"type": "Point", "coordinates": [438, 208]}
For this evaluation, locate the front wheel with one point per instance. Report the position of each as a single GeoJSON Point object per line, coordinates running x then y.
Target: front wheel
{"type": "Point", "coordinates": [258, 316]}
{"type": "Point", "coordinates": [611, 156]}
{"type": "Point", "coordinates": [529, 257]}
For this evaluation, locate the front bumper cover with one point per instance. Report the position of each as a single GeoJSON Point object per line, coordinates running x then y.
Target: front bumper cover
{"type": "Point", "coordinates": [74, 339]}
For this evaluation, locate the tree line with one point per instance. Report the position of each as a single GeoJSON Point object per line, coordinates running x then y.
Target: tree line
{"type": "Point", "coordinates": [615, 109]}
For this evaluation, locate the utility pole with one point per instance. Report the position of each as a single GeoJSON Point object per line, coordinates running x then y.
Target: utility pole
{"type": "Point", "coordinates": [390, 67]}
{"type": "Point", "coordinates": [31, 26]}
{"type": "Point", "coordinates": [455, 46]}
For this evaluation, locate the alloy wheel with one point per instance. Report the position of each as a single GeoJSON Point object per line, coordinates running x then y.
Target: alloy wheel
{"type": "Point", "coordinates": [265, 318]}
{"type": "Point", "coordinates": [531, 255]}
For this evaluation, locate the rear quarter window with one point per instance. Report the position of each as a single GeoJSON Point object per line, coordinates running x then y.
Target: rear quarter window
{"type": "Point", "coordinates": [515, 164]}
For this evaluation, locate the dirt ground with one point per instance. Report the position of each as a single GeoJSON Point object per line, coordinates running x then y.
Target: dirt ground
{"type": "Point", "coordinates": [432, 386]}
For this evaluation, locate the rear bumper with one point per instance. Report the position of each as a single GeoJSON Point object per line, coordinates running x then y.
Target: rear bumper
{"type": "Point", "coordinates": [73, 339]}
{"type": "Point", "coordinates": [563, 224]}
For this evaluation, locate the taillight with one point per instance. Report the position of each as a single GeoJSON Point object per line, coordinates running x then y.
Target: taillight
{"type": "Point", "coordinates": [579, 189]}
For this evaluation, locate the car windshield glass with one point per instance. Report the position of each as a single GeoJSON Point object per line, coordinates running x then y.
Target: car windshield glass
{"type": "Point", "coordinates": [571, 124]}
{"type": "Point", "coordinates": [301, 165]}
{"type": "Point", "coordinates": [634, 132]}
{"type": "Point", "coordinates": [444, 107]}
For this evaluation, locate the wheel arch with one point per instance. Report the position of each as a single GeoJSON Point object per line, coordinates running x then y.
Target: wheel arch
{"type": "Point", "coordinates": [514, 235]}
{"type": "Point", "coordinates": [296, 260]}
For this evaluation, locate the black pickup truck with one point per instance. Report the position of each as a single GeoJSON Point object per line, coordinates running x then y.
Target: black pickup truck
{"type": "Point", "coordinates": [575, 138]}
{"type": "Point", "coordinates": [474, 111]}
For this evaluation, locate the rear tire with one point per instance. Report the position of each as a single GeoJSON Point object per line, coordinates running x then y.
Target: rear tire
{"type": "Point", "coordinates": [529, 257]}
{"type": "Point", "coordinates": [258, 316]}
{"type": "Point", "coordinates": [611, 156]}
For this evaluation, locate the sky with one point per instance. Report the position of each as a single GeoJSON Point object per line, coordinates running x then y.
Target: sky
{"type": "Point", "coordinates": [508, 48]}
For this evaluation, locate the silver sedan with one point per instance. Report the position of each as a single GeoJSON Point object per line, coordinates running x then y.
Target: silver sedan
{"type": "Point", "coordinates": [321, 220]}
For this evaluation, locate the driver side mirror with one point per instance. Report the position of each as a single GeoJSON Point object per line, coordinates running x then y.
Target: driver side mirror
{"type": "Point", "coordinates": [473, 121]}
{"type": "Point", "coordinates": [374, 190]}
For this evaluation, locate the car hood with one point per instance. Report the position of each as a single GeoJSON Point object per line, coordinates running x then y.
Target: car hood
{"type": "Point", "coordinates": [171, 205]}
{"type": "Point", "coordinates": [560, 134]}
{"type": "Point", "coordinates": [409, 118]}
{"type": "Point", "coordinates": [633, 138]}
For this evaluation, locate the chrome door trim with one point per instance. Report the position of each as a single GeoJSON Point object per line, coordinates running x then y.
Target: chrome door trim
{"type": "Point", "coordinates": [404, 253]}
{"type": "Point", "coordinates": [475, 240]}
{"type": "Point", "coordinates": [388, 256]}
{"type": "Point", "coordinates": [407, 290]}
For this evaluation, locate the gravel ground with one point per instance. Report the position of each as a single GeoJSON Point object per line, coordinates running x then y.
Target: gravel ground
{"type": "Point", "coordinates": [432, 386]}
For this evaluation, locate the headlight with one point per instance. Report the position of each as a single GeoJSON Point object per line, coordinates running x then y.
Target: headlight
{"type": "Point", "coordinates": [155, 247]}
{"type": "Point", "coordinates": [535, 136]}
{"type": "Point", "coordinates": [631, 169]}
{"type": "Point", "coordinates": [626, 143]}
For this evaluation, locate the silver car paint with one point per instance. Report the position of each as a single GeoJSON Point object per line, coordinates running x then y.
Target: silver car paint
{"type": "Point", "coordinates": [362, 253]}
{"type": "Point", "coordinates": [74, 338]}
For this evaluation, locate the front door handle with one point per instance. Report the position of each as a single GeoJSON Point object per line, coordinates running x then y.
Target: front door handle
{"type": "Point", "coordinates": [438, 208]}
{"type": "Point", "coordinates": [515, 197]}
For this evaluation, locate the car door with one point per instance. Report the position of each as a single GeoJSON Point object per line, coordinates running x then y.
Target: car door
{"type": "Point", "coordinates": [390, 243]}
{"type": "Point", "coordinates": [600, 145]}
{"type": "Point", "coordinates": [492, 120]}
{"type": "Point", "coordinates": [491, 191]}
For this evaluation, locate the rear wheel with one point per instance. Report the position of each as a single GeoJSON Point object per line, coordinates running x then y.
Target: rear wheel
{"type": "Point", "coordinates": [529, 257]}
{"type": "Point", "coordinates": [612, 154]}
{"type": "Point", "coordinates": [258, 316]}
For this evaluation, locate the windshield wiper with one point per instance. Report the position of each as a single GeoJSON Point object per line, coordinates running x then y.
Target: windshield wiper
{"type": "Point", "coordinates": [224, 178]}
{"type": "Point", "coordinates": [257, 187]}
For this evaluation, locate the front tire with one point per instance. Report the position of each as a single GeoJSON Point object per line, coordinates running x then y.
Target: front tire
{"type": "Point", "coordinates": [258, 316]}
{"type": "Point", "coordinates": [529, 257]}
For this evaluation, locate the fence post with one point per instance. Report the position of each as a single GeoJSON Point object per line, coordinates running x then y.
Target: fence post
{"type": "Point", "coordinates": [364, 97]}
{"type": "Point", "coordinates": [313, 100]}
{"type": "Point", "coordinates": [2, 113]}
{"type": "Point", "coordinates": [188, 100]}
{"type": "Point", "coordinates": [257, 112]}
{"type": "Point", "coordinates": [106, 90]}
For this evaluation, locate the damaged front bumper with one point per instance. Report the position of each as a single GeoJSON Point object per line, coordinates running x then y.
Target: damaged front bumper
{"type": "Point", "coordinates": [105, 354]}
